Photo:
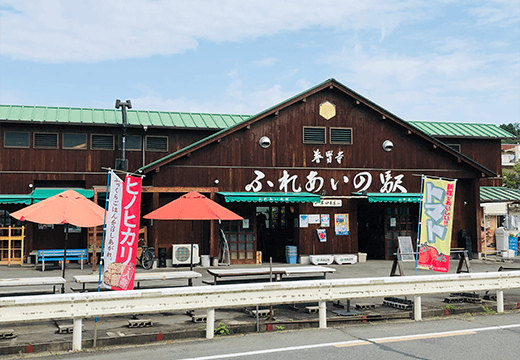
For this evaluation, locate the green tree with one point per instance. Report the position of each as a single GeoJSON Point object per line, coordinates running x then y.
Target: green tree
{"type": "Point", "coordinates": [513, 129]}
{"type": "Point", "coordinates": [511, 178]}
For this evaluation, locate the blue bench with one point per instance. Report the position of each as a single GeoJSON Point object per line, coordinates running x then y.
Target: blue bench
{"type": "Point", "coordinates": [57, 255]}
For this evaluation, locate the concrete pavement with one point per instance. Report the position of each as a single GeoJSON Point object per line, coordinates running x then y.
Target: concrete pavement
{"type": "Point", "coordinates": [44, 336]}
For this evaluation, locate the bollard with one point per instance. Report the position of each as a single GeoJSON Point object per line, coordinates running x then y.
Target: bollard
{"type": "Point", "coordinates": [210, 324]}
{"type": "Point", "coordinates": [323, 314]}
{"type": "Point", "coordinates": [500, 301]}
{"type": "Point", "coordinates": [76, 336]}
{"type": "Point", "coordinates": [417, 314]}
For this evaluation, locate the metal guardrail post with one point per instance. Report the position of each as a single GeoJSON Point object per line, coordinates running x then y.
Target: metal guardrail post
{"type": "Point", "coordinates": [323, 314]}
{"type": "Point", "coordinates": [210, 323]}
{"type": "Point", "coordinates": [417, 311]}
{"type": "Point", "coordinates": [76, 336]}
{"type": "Point", "coordinates": [500, 301]}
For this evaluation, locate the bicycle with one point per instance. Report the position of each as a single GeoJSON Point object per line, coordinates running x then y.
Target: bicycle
{"type": "Point", "coordinates": [146, 257]}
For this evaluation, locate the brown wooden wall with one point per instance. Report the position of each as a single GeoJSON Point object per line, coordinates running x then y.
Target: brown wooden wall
{"type": "Point", "coordinates": [60, 167]}
{"type": "Point", "coordinates": [484, 151]}
{"type": "Point", "coordinates": [233, 160]}
{"type": "Point", "coordinates": [80, 168]}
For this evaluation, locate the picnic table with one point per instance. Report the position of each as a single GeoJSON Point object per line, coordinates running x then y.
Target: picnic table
{"type": "Point", "coordinates": [139, 277]}
{"type": "Point", "coordinates": [33, 281]}
{"type": "Point", "coordinates": [277, 272]}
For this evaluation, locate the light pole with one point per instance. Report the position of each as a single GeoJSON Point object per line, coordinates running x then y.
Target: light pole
{"type": "Point", "coordinates": [123, 105]}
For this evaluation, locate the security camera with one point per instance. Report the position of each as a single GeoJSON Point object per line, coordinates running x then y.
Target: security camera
{"type": "Point", "coordinates": [388, 145]}
{"type": "Point", "coordinates": [265, 142]}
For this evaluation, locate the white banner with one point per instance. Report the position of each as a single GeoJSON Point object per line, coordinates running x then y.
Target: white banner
{"type": "Point", "coordinates": [115, 206]}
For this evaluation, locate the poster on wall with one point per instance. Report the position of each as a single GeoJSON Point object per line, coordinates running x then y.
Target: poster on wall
{"type": "Point", "coordinates": [322, 235]}
{"type": "Point", "coordinates": [304, 221]}
{"type": "Point", "coordinates": [341, 224]}
{"type": "Point", "coordinates": [436, 224]}
{"type": "Point", "coordinates": [325, 220]}
{"type": "Point", "coordinates": [314, 219]}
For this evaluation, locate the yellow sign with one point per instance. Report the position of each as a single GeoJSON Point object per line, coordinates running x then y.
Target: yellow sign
{"type": "Point", "coordinates": [327, 110]}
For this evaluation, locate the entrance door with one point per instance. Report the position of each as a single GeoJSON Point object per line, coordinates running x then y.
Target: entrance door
{"type": "Point", "coordinates": [241, 238]}
{"type": "Point", "coordinates": [400, 220]}
{"type": "Point", "coordinates": [275, 224]}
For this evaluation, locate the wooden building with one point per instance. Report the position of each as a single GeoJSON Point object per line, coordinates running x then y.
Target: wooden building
{"type": "Point", "coordinates": [328, 154]}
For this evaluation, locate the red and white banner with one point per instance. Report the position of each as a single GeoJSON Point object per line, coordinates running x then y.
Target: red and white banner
{"type": "Point", "coordinates": [122, 232]}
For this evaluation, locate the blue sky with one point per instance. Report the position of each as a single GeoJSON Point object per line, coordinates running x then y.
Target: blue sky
{"type": "Point", "coordinates": [456, 61]}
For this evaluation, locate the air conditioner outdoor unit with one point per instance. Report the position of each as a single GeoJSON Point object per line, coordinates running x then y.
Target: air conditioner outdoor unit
{"type": "Point", "coordinates": [181, 254]}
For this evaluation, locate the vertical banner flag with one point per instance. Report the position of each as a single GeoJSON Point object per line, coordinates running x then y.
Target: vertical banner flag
{"type": "Point", "coordinates": [122, 232]}
{"type": "Point", "coordinates": [436, 224]}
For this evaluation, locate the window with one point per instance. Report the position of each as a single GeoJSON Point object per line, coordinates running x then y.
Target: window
{"type": "Point", "coordinates": [340, 135]}
{"type": "Point", "coordinates": [156, 143]}
{"type": "Point", "coordinates": [101, 142]}
{"type": "Point", "coordinates": [8, 220]}
{"type": "Point", "coordinates": [74, 141]}
{"type": "Point", "coordinates": [45, 141]}
{"type": "Point", "coordinates": [314, 135]}
{"type": "Point", "coordinates": [455, 147]}
{"type": "Point", "coordinates": [16, 139]}
{"type": "Point", "coordinates": [133, 142]}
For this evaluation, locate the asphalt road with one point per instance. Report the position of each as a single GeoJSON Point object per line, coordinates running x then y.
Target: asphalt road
{"type": "Point", "coordinates": [464, 337]}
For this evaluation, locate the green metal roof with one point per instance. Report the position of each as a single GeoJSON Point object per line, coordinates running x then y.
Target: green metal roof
{"type": "Point", "coordinates": [270, 197]}
{"type": "Point", "coordinates": [43, 193]}
{"type": "Point", "coordinates": [15, 199]}
{"type": "Point", "coordinates": [498, 194]}
{"type": "Point", "coordinates": [67, 115]}
{"type": "Point", "coordinates": [447, 129]}
{"type": "Point", "coordinates": [38, 195]}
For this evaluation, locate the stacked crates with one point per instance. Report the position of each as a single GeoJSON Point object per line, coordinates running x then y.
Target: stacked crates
{"type": "Point", "coordinates": [291, 254]}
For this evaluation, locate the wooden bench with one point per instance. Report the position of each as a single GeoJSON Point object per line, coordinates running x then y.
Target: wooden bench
{"type": "Point", "coordinates": [54, 281]}
{"type": "Point", "coordinates": [57, 255]}
{"type": "Point", "coordinates": [263, 273]}
{"type": "Point", "coordinates": [139, 277]}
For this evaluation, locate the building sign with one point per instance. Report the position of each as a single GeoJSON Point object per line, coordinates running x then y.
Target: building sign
{"type": "Point", "coordinates": [436, 224]}
{"type": "Point", "coordinates": [122, 232]}
{"type": "Point", "coordinates": [314, 183]}
{"type": "Point", "coordinates": [328, 203]}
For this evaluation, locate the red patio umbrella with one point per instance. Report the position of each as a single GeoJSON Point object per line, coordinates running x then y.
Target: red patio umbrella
{"type": "Point", "coordinates": [68, 207]}
{"type": "Point", "coordinates": [192, 206]}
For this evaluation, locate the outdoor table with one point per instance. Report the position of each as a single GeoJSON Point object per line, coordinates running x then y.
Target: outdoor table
{"type": "Point", "coordinates": [139, 277]}
{"type": "Point", "coordinates": [35, 281]}
{"type": "Point", "coordinates": [277, 272]}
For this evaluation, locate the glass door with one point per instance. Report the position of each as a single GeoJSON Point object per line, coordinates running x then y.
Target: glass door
{"type": "Point", "coordinates": [400, 220]}
{"type": "Point", "coordinates": [241, 237]}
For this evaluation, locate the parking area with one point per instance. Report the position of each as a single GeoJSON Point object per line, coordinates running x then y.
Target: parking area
{"type": "Point", "coordinates": [42, 336]}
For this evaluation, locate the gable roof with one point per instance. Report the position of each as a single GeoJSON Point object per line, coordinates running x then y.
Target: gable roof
{"type": "Point", "coordinates": [112, 117]}
{"type": "Point", "coordinates": [331, 83]}
{"type": "Point", "coordinates": [457, 130]}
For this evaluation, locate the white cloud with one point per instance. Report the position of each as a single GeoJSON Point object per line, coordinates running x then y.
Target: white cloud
{"type": "Point", "coordinates": [97, 30]}
{"type": "Point", "coordinates": [234, 100]}
{"type": "Point", "coordinates": [266, 62]}
{"type": "Point", "coordinates": [498, 12]}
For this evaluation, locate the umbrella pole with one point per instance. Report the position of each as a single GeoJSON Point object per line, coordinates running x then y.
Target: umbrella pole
{"type": "Point", "coordinates": [64, 256]}
{"type": "Point", "coordinates": [191, 253]}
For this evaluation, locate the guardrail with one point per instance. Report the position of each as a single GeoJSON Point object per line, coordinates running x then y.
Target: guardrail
{"type": "Point", "coordinates": [87, 305]}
